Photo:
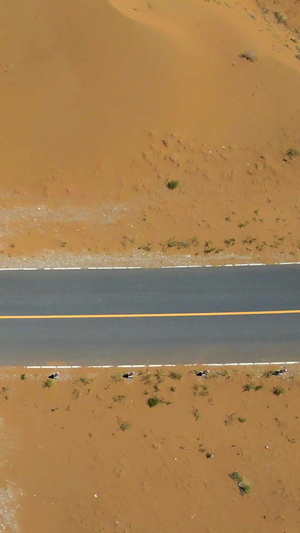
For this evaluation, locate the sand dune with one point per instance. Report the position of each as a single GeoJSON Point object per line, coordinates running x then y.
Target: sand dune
{"type": "Point", "coordinates": [89, 92]}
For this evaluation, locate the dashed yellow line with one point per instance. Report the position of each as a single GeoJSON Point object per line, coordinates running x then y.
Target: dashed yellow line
{"type": "Point", "coordinates": [151, 315]}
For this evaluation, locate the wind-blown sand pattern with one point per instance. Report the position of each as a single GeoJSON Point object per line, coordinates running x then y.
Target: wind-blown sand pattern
{"type": "Point", "coordinates": [104, 103]}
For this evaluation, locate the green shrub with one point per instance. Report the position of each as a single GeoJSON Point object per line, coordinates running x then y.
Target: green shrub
{"type": "Point", "coordinates": [293, 152]}
{"type": "Point", "coordinates": [173, 184]}
{"type": "Point", "coordinates": [85, 381]}
{"type": "Point", "coordinates": [152, 402]}
{"type": "Point", "coordinates": [248, 387]}
{"type": "Point", "coordinates": [243, 485]}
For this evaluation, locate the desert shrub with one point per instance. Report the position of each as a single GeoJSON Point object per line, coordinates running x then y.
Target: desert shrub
{"type": "Point", "coordinates": [196, 414]}
{"type": "Point", "coordinates": [160, 375]}
{"type": "Point", "coordinates": [147, 247]}
{"type": "Point", "coordinates": [293, 152]}
{"type": "Point", "coordinates": [200, 390]}
{"type": "Point", "coordinates": [248, 387]}
{"type": "Point", "coordinates": [124, 425]}
{"type": "Point", "coordinates": [173, 184]}
{"type": "Point", "coordinates": [152, 402]}
{"type": "Point", "coordinates": [243, 485]}
{"type": "Point", "coordinates": [85, 381]}
{"type": "Point", "coordinates": [268, 374]}
{"type": "Point", "coordinates": [175, 375]}
{"type": "Point", "coordinates": [230, 241]}
{"type": "Point", "coordinates": [147, 378]}
{"type": "Point", "coordinates": [235, 476]}
{"type": "Point", "coordinates": [278, 390]}
{"type": "Point", "coordinates": [119, 398]}
{"type": "Point", "coordinates": [171, 243]}
{"type": "Point", "coordinates": [229, 419]}
{"type": "Point", "coordinates": [280, 17]}
{"type": "Point", "coordinates": [241, 419]}
{"type": "Point", "coordinates": [23, 377]}
{"type": "Point", "coordinates": [116, 378]}
{"type": "Point", "coordinates": [48, 383]}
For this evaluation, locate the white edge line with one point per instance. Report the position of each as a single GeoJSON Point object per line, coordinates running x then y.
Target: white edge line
{"type": "Point", "coordinates": [164, 365]}
{"type": "Point", "coordinates": [125, 366]}
{"type": "Point", "coordinates": [141, 268]}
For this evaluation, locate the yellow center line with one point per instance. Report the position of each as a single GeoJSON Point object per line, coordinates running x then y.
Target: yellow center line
{"type": "Point", "coordinates": [152, 315]}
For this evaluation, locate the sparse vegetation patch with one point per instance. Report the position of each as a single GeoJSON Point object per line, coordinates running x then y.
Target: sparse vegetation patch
{"type": "Point", "coordinates": [280, 17]}
{"type": "Point", "coordinates": [175, 375]}
{"type": "Point", "coordinates": [243, 485]}
{"type": "Point", "coordinates": [173, 184]}
{"type": "Point", "coordinates": [152, 402]}
{"type": "Point", "coordinates": [292, 152]}
{"type": "Point", "coordinates": [200, 390]}
{"type": "Point", "coordinates": [85, 381]}
{"type": "Point", "coordinates": [48, 383]}
{"type": "Point", "coordinates": [278, 391]}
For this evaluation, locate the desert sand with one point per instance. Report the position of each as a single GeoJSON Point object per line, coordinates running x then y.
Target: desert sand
{"type": "Point", "coordinates": [149, 132]}
{"type": "Point", "coordinates": [105, 103]}
{"type": "Point", "coordinates": [87, 453]}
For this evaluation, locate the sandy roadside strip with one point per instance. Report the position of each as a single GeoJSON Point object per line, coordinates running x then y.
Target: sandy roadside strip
{"type": "Point", "coordinates": [86, 452]}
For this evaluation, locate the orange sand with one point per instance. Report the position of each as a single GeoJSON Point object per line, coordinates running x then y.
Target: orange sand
{"type": "Point", "coordinates": [67, 466]}
{"type": "Point", "coordinates": [104, 102]}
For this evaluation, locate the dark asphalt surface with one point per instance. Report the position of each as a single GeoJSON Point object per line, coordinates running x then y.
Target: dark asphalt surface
{"type": "Point", "coordinates": [150, 340]}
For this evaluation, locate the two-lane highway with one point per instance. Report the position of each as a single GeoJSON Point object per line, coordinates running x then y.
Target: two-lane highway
{"type": "Point", "coordinates": [237, 314]}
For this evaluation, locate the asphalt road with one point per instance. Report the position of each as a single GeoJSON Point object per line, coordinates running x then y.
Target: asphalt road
{"type": "Point", "coordinates": [144, 340]}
